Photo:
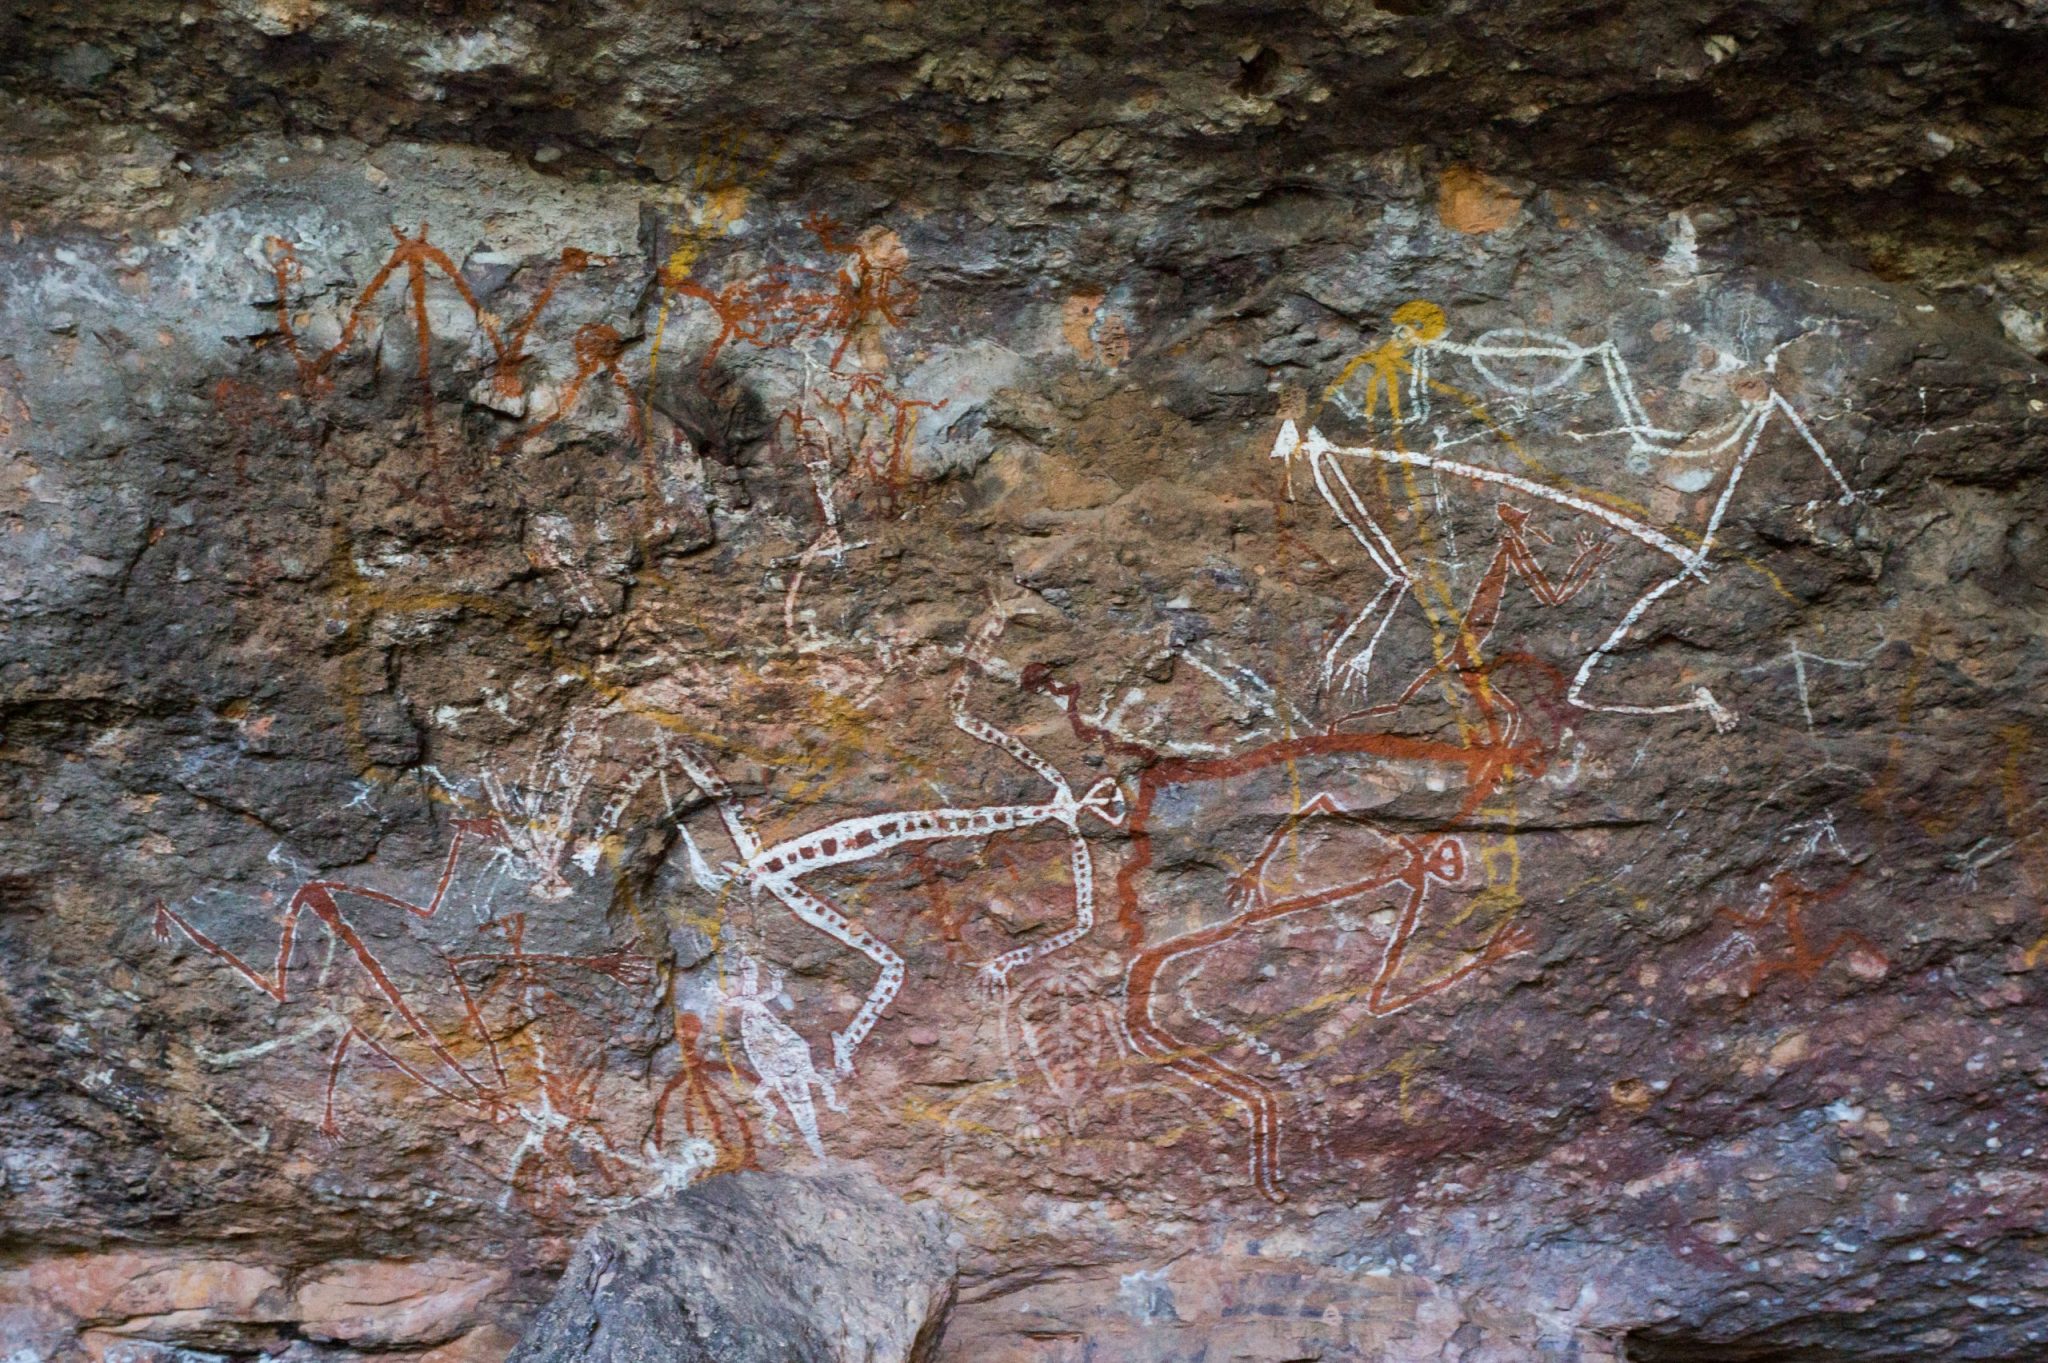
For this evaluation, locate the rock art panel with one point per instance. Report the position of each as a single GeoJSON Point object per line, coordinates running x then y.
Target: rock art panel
{"type": "Point", "coordinates": [1264, 791]}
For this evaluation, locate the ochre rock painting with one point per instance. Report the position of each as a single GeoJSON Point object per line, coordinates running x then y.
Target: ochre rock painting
{"type": "Point", "coordinates": [1306, 807]}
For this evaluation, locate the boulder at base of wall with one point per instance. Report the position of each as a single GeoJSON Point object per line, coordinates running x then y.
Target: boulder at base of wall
{"type": "Point", "coordinates": [825, 1267]}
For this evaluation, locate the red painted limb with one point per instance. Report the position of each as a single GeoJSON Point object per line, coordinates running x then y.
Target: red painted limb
{"type": "Point", "coordinates": [167, 918]}
{"type": "Point", "coordinates": [318, 898]}
{"type": "Point", "coordinates": [1806, 962]}
{"type": "Point", "coordinates": [415, 254]}
{"type": "Point", "coordinates": [1580, 572]}
{"type": "Point", "coordinates": [313, 372]}
{"type": "Point", "coordinates": [1445, 861]}
{"type": "Point", "coordinates": [464, 828]}
{"type": "Point", "coordinates": [1507, 940]}
{"type": "Point", "coordinates": [642, 436]}
{"type": "Point", "coordinates": [698, 1097]}
{"type": "Point", "coordinates": [487, 1104]}
{"type": "Point", "coordinates": [1209, 1071]}
{"type": "Point", "coordinates": [1761, 919]}
{"type": "Point", "coordinates": [1201, 939]}
{"type": "Point", "coordinates": [1788, 903]}
{"type": "Point", "coordinates": [513, 353]}
{"type": "Point", "coordinates": [867, 392]}
{"type": "Point", "coordinates": [1577, 575]}
{"type": "Point", "coordinates": [1141, 980]}
{"type": "Point", "coordinates": [1482, 611]}
{"type": "Point", "coordinates": [597, 350]}
{"type": "Point", "coordinates": [624, 966]}
{"type": "Point", "coordinates": [416, 283]}
{"type": "Point", "coordinates": [327, 1124]}
{"type": "Point", "coordinates": [826, 229]}
{"type": "Point", "coordinates": [1420, 863]}
{"type": "Point", "coordinates": [1396, 951]}
{"type": "Point", "coordinates": [730, 315]}
{"type": "Point", "coordinates": [488, 828]}
{"type": "Point", "coordinates": [866, 291]}
{"type": "Point", "coordinates": [568, 400]}
{"type": "Point", "coordinates": [746, 309]}
{"type": "Point", "coordinates": [323, 907]}
{"type": "Point", "coordinates": [477, 1025]}
{"type": "Point", "coordinates": [420, 254]}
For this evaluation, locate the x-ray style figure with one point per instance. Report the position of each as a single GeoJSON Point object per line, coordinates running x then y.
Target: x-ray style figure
{"type": "Point", "coordinates": [779, 870]}
{"type": "Point", "coordinates": [1398, 391]}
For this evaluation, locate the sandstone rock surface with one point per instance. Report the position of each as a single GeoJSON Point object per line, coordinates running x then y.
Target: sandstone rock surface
{"type": "Point", "coordinates": [754, 1268]}
{"type": "Point", "coordinates": [1362, 679]}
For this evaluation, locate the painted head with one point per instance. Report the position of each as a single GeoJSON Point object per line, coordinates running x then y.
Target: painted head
{"type": "Point", "coordinates": [1418, 323]}
{"type": "Point", "coordinates": [1105, 800]}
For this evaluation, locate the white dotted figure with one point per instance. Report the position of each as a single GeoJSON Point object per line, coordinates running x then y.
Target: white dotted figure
{"type": "Point", "coordinates": [778, 870]}
{"type": "Point", "coordinates": [779, 1057]}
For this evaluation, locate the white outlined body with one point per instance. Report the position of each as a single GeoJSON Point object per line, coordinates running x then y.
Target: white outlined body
{"type": "Point", "coordinates": [780, 1058]}
{"type": "Point", "coordinates": [1740, 436]}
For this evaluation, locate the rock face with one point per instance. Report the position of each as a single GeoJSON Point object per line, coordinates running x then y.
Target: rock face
{"type": "Point", "coordinates": [754, 1268]}
{"type": "Point", "coordinates": [1347, 732]}
{"type": "Point", "coordinates": [145, 1304]}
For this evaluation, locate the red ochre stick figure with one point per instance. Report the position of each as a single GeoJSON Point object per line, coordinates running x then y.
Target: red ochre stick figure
{"type": "Point", "coordinates": [319, 898]}
{"type": "Point", "coordinates": [874, 296]}
{"type": "Point", "coordinates": [418, 258]}
{"type": "Point", "coordinates": [870, 430]}
{"type": "Point", "coordinates": [859, 304]}
{"type": "Point", "coordinates": [890, 468]}
{"type": "Point", "coordinates": [623, 966]}
{"type": "Point", "coordinates": [706, 1112]}
{"type": "Point", "coordinates": [488, 1090]}
{"type": "Point", "coordinates": [1788, 903]}
{"type": "Point", "coordinates": [768, 310]}
{"type": "Point", "coordinates": [599, 349]}
{"type": "Point", "coordinates": [560, 1081]}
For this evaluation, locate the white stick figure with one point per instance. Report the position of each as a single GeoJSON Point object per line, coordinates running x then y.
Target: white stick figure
{"type": "Point", "coordinates": [1402, 365]}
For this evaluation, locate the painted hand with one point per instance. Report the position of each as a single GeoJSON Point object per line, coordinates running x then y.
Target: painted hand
{"type": "Point", "coordinates": [992, 981]}
{"type": "Point", "coordinates": [1510, 939]}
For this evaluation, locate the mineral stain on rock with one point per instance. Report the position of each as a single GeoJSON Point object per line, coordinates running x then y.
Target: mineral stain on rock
{"type": "Point", "coordinates": [1343, 682]}
{"type": "Point", "coordinates": [1469, 200]}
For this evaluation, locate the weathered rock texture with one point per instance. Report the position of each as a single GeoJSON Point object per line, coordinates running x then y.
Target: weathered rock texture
{"type": "Point", "coordinates": [1364, 681]}
{"type": "Point", "coordinates": [754, 1268]}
